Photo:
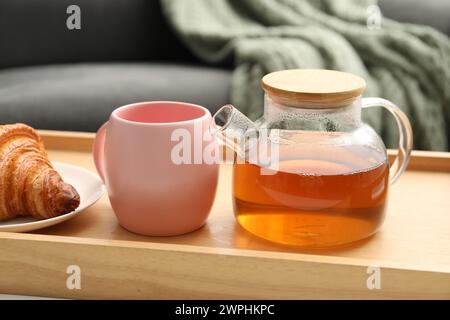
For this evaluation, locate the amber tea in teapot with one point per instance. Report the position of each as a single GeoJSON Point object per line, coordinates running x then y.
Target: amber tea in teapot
{"type": "Point", "coordinates": [312, 200]}
{"type": "Point", "coordinates": [326, 181]}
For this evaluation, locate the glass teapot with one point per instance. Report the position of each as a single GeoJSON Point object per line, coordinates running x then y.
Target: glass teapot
{"type": "Point", "coordinates": [310, 172]}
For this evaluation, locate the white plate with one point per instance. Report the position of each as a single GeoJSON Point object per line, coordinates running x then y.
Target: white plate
{"type": "Point", "coordinates": [89, 187]}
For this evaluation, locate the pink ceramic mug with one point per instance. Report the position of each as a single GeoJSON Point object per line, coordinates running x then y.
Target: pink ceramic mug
{"type": "Point", "coordinates": [149, 192]}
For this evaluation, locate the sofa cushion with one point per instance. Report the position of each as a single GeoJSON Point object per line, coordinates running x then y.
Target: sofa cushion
{"type": "Point", "coordinates": [35, 32]}
{"type": "Point", "coordinates": [80, 97]}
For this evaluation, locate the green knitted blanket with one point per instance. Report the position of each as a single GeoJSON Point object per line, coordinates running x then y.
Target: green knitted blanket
{"type": "Point", "coordinates": [407, 64]}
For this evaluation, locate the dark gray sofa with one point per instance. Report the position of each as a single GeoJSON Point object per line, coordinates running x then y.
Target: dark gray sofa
{"type": "Point", "coordinates": [55, 78]}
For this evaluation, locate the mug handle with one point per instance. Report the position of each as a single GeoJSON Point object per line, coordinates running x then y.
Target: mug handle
{"type": "Point", "coordinates": [405, 142]}
{"type": "Point", "coordinates": [98, 150]}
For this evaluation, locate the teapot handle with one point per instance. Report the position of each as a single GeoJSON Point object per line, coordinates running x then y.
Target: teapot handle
{"type": "Point", "coordinates": [405, 143]}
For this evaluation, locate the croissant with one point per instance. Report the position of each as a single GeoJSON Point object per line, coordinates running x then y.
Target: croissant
{"type": "Point", "coordinates": [29, 185]}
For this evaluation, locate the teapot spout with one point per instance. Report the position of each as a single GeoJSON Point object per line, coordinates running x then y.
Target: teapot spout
{"type": "Point", "coordinates": [235, 130]}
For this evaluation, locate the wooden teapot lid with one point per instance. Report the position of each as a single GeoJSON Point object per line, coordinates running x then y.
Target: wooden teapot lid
{"type": "Point", "coordinates": [313, 88]}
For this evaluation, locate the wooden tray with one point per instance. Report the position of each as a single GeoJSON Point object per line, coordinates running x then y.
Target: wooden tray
{"type": "Point", "coordinates": [221, 260]}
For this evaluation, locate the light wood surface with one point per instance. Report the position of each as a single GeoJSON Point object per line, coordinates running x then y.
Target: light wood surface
{"type": "Point", "coordinates": [221, 260]}
{"type": "Point", "coordinates": [67, 140]}
{"type": "Point", "coordinates": [313, 87]}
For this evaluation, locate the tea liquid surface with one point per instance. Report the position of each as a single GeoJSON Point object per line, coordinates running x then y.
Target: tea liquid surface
{"type": "Point", "coordinates": [318, 197]}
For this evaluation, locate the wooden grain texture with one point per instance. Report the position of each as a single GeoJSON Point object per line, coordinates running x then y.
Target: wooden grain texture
{"type": "Point", "coordinates": [312, 87]}
{"type": "Point", "coordinates": [221, 260]}
{"type": "Point", "coordinates": [114, 269]}
{"type": "Point", "coordinates": [67, 140]}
